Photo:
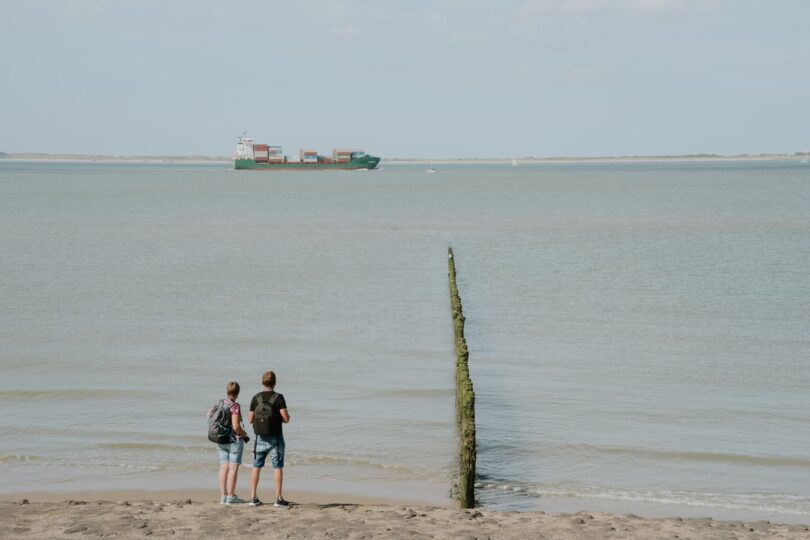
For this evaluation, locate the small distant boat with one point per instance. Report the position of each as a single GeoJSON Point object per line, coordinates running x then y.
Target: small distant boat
{"type": "Point", "coordinates": [430, 168]}
{"type": "Point", "coordinates": [514, 163]}
{"type": "Point", "coordinates": [803, 161]}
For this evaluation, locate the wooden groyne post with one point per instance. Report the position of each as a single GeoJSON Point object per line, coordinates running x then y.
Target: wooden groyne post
{"type": "Point", "coordinates": [465, 396]}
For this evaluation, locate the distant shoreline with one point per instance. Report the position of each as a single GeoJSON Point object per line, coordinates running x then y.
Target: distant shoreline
{"type": "Point", "coordinates": [86, 158]}
{"type": "Point", "coordinates": [604, 159]}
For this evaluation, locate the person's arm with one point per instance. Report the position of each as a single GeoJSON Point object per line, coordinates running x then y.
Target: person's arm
{"type": "Point", "coordinates": [236, 420]}
{"type": "Point", "coordinates": [285, 416]}
{"type": "Point", "coordinates": [250, 412]}
{"type": "Point", "coordinates": [237, 425]}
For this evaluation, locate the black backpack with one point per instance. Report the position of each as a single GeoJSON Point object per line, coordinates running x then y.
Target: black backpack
{"type": "Point", "coordinates": [263, 414]}
{"type": "Point", "coordinates": [220, 426]}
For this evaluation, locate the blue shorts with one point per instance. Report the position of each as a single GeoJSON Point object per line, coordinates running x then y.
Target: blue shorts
{"type": "Point", "coordinates": [268, 444]}
{"type": "Point", "coordinates": [231, 453]}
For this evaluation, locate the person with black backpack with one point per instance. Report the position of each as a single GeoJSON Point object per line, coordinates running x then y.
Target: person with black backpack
{"type": "Point", "coordinates": [268, 411]}
{"type": "Point", "coordinates": [225, 429]}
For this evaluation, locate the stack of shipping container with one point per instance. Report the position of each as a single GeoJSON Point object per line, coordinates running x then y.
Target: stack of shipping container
{"type": "Point", "coordinates": [263, 153]}
{"type": "Point", "coordinates": [274, 154]}
{"type": "Point", "coordinates": [341, 156]}
{"type": "Point", "coordinates": [308, 156]}
{"type": "Point", "coordinates": [260, 153]}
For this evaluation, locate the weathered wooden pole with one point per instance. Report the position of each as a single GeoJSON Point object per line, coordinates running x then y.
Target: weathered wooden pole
{"type": "Point", "coordinates": [465, 395]}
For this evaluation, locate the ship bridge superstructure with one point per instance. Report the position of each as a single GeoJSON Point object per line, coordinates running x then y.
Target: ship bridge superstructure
{"type": "Point", "coordinates": [244, 148]}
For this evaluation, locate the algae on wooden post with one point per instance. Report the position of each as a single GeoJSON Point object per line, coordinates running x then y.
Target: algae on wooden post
{"type": "Point", "coordinates": [465, 395]}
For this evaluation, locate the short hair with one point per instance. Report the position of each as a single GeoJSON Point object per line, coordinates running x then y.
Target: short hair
{"type": "Point", "coordinates": [269, 379]}
{"type": "Point", "coordinates": [232, 390]}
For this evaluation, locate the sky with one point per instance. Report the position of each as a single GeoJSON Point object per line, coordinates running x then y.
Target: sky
{"type": "Point", "coordinates": [406, 78]}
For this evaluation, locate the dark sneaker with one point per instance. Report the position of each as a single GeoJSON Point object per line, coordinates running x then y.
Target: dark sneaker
{"type": "Point", "coordinates": [281, 502]}
{"type": "Point", "coordinates": [255, 502]}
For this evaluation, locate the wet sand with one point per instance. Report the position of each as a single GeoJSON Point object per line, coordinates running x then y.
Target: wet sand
{"type": "Point", "coordinates": [162, 518]}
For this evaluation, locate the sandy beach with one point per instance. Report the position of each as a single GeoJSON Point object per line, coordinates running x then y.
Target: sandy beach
{"type": "Point", "coordinates": [167, 515]}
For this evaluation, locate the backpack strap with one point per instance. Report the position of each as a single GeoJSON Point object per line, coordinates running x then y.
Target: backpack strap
{"type": "Point", "coordinates": [272, 399]}
{"type": "Point", "coordinates": [226, 409]}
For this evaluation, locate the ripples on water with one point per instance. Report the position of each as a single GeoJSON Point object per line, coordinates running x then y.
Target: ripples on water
{"type": "Point", "coordinates": [638, 332]}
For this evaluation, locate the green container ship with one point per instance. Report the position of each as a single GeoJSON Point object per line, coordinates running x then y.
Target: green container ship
{"type": "Point", "coordinates": [253, 156]}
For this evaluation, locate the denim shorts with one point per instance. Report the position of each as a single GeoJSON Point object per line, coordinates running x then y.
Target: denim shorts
{"type": "Point", "coordinates": [231, 453]}
{"type": "Point", "coordinates": [268, 444]}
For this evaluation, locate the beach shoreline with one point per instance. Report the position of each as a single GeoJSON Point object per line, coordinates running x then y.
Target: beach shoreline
{"type": "Point", "coordinates": [398, 494]}
{"type": "Point", "coordinates": [199, 495]}
{"type": "Point", "coordinates": [184, 516]}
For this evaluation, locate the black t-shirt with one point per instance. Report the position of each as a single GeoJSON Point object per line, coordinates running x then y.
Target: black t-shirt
{"type": "Point", "coordinates": [278, 404]}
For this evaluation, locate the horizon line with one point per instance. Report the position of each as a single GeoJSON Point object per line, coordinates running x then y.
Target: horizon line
{"type": "Point", "coordinates": [203, 157]}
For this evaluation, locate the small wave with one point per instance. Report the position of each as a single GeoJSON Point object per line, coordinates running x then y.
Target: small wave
{"type": "Point", "coordinates": [99, 433]}
{"type": "Point", "coordinates": [413, 392]}
{"type": "Point", "coordinates": [204, 459]}
{"type": "Point", "coordinates": [104, 466]}
{"type": "Point", "coordinates": [319, 459]}
{"type": "Point", "coordinates": [552, 449]}
{"type": "Point", "coordinates": [75, 394]}
{"type": "Point", "coordinates": [16, 459]}
{"type": "Point", "coordinates": [712, 457]}
{"type": "Point", "coordinates": [760, 502]}
{"type": "Point", "coordinates": [162, 447]}
{"type": "Point", "coordinates": [296, 458]}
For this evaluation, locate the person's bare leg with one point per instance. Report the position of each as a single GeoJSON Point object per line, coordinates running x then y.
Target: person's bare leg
{"type": "Point", "coordinates": [233, 471]}
{"type": "Point", "coordinates": [278, 475]}
{"type": "Point", "coordinates": [223, 478]}
{"type": "Point", "coordinates": [254, 482]}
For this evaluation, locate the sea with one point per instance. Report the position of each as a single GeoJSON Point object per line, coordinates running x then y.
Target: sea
{"type": "Point", "coordinates": [639, 333]}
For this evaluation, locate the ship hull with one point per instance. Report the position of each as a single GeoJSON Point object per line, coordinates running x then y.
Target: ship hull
{"type": "Point", "coordinates": [366, 162]}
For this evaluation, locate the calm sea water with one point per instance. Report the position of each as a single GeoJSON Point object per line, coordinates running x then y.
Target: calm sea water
{"type": "Point", "coordinates": [638, 332]}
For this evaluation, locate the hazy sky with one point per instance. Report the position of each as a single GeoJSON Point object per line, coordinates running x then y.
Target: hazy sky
{"type": "Point", "coordinates": [405, 78]}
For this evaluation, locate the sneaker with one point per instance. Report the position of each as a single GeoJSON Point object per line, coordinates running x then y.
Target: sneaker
{"type": "Point", "coordinates": [222, 499]}
{"type": "Point", "coordinates": [233, 499]}
{"type": "Point", "coordinates": [255, 502]}
{"type": "Point", "coordinates": [281, 502]}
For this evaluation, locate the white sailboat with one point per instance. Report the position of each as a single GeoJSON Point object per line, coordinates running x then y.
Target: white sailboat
{"type": "Point", "coordinates": [514, 163]}
{"type": "Point", "coordinates": [430, 168]}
